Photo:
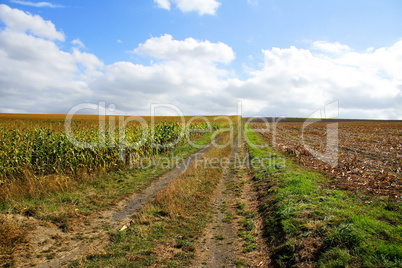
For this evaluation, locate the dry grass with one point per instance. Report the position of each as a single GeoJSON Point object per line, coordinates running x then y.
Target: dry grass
{"type": "Point", "coordinates": [180, 195]}
{"type": "Point", "coordinates": [11, 233]}
{"type": "Point", "coordinates": [32, 186]}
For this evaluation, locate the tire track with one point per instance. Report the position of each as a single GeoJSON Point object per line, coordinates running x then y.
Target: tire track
{"type": "Point", "coordinates": [220, 247]}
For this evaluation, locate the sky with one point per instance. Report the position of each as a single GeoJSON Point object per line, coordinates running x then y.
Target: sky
{"type": "Point", "coordinates": [286, 58]}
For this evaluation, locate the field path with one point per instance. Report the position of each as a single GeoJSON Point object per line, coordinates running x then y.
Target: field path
{"type": "Point", "coordinates": [221, 245]}
{"type": "Point", "coordinates": [49, 246]}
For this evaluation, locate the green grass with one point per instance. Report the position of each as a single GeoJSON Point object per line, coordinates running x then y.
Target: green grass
{"type": "Point", "coordinates": [228, 217]}
{"type": "Point", "coordinates": [219, 237]}
{"type": "Point", "coordinates": [307, 221]}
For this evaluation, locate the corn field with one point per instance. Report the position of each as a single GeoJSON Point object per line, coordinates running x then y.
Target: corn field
{"type": "Point", "coordinates": [42, 147]}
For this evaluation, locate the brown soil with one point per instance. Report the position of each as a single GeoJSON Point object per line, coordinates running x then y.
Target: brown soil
{"type": "Point", "coordinates": [368, 158]}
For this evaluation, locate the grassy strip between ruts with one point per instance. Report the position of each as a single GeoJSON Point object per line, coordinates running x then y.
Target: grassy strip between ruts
{"type": "Point", "coordinates": [163, 233]}
{"type": "Point", "coordinates": [311, 225]}
{"type": "Point", "coordinates": [89, 195]}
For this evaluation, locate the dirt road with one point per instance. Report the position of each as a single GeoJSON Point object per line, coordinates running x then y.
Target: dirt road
{"type": "Point", "coordinates": [226, 241]}
{"type": "Point", "coordinates": [233, 238]}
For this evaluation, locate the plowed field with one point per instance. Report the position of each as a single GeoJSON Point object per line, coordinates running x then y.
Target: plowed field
{"type": "Point", "coordinates": [364, 156]}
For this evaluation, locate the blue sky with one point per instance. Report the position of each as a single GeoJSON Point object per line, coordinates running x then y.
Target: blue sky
{"type": "Point", "coordinates": [285, 57]}
{"type": "Point", "coordinates": [246, 26]}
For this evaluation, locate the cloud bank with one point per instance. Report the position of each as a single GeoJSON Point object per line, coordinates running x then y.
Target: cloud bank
{"type": "Point", "coordinates": [37, 76]}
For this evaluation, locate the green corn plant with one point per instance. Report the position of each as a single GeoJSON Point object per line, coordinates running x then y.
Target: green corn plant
{"type": "Point", "coordinates": [42, 147]}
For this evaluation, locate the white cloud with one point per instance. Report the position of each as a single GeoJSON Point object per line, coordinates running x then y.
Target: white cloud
{"type": "Point", "coordinates": [332, 48]}
{"type": "Point", "coordinates": [89, 65]}
{"type": "Point", "coordinates": [166, 48]}
{"type": "Point", "coordinates": [385, 62]}
{"type": "Point", "coordinates": [36, 4]}
{"type": "Point", "coordinates": [165, 4]}
{"type": "Point", "coordinates": [203, 7]}
{"type": "Point", "coordinates": [188, 77]}
{"type": "Point", "coordinates": [296, 82]}
{"type": "Point", "coordinates": [19, 21]}
{"type": "Point", "coordinates": [78, 43]}
{"type": "Point", "coordinates": [253, 2]}
{"type": "Point", "coordinates": [38, 76]}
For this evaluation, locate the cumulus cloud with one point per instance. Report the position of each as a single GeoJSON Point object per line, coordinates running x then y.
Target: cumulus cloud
{"type": "Point", "coordinates": [203, 7]}
{"type": "Point", "coordinates": [19, 21]}
{"type": "Point", "coordinates": [195, 75]}
{"type": "Point", "coordinates": [37, 4]}
{"type": "Point", "coordinates": [39, 77]}
{"type": "Point", "coordinates": [36, 75]}
{"type": "Point", "coordinates": [187, 77]}
{"type": "Point", "coordinates": [166, 48]}
{"type": "Point", "coordinates": [77, 42]}
{"type": "Point", "coordinates": [331, 48]}
{"type": "Point", "coordinates": [165, 4]}
{"type": "Point", "coordinates": [296, 82]}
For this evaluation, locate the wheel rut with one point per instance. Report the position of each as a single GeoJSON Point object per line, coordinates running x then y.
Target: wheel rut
{"type": "Point", "coordinates": [222, 244]}
{"type": "Point", "coordinates": [219, 246]}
